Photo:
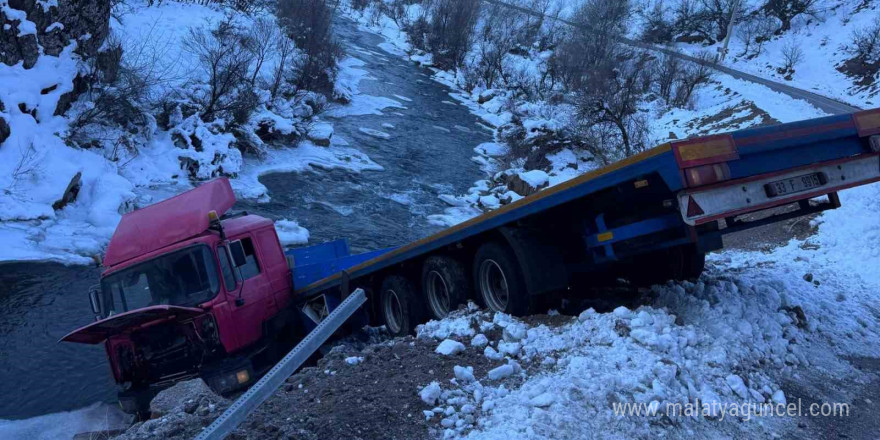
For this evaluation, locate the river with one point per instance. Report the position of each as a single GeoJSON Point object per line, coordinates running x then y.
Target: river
{"type": "Point", "coordinates": [426, 153]}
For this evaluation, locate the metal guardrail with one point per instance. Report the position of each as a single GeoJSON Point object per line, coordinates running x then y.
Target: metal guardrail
{"type": "Point", "coordinates": [268, 384]}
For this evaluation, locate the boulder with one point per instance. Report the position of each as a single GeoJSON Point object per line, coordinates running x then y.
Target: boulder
{"type": "Point", "coordinates": [28, 25]}
{"type": "Point", "coordinates": [528, 183]}
{"type": "Point", "coordinates": [70, 193]}
{"type": "Point", "coordinates": [192, 396]}
{"type": "Point", "coordinates": [5, 131]}
{"type": "Point", "coordinates": [321, 133]}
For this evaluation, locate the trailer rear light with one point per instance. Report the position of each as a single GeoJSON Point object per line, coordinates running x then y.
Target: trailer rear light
{"type": "Point", "coordinates": [707, 174]}
{"type": "Point", "coordinates": [867, 122]}
{"type": "Point", "coordinates": [705, 151]}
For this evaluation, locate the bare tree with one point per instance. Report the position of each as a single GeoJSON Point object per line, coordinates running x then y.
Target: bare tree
{"type": "Point", "coordinates": [865, 44]}
{"type": "Point", "coordinates": [691, 77]}
{"type": "Point", "coordinates": [611, 98]}
{"type": "Point", "coordinates": [261, 40]}
{"type": "Point", "coordinates": [309, 23]}
{"type": "Point", "coordinates": [787, 10]}
{"type": "Point", "coordinates": [451, 30]}
{"type": "Point", "coordinates": [669, 71]}
{"type": "Point", "coordinates": [285, 50]}
{"type": "Point", "coordinates": [792, 55]}
{"type": "Point", "coordinates": [226, 63]}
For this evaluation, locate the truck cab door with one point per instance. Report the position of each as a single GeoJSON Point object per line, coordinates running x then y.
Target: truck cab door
{"type": "Point", "coordinates": [251, 301]}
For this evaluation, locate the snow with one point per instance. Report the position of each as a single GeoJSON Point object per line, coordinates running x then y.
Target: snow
{"type": "Point", "coordinates": [361, 104]}
{"type": "Point", "coordinates": [25, 26]}
{"type": "Point", "coordinates": [64, 425]}
{"type": "Point", "coordinates": [374, 133]}
{"type": "Point", "coordinates": [535, 178]}
{"type": "Point", "coordinates": [290, 233]}
{"type": "Point", "coordinates": [354, 360]}
{"type": "Point", "coordinates": [449, 347]}
{"type": "Point", "coordinates": [479, 340]}
{"type": "Point", "coordinates": [732, 337]}
{"type": "Point", "coordinates": [430, 393]}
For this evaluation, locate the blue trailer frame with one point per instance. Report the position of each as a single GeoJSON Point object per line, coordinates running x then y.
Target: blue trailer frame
{"type": "Point", "coordinates": [760, 151]}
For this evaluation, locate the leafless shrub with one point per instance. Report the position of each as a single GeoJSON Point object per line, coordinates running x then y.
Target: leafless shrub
{"type": "Point", "coordinates": [786, 10]}
{"type": "Point", "coordinates": [658, 28]}
{"type": "Point", "coordinates": [865, 44]}
{"type": "Point", "coordinates": [309, 23]}
{"type": "Point", "coordinates": [261, 40]}
{"type": "Point", "coordinates": [226, 62]}
{"type": "Point", "coordinates": [451, 29]}
{"type": "Point", "coordinates": [693, 75]}
{"type": "Point", "coordinates": [285, 50]}
{"type": "Point", "coordinates": [593, 45]}
{"type": "Point", "coordinates": [669, 71]}
{"type": "Point", "coordinates": [690, 21]}
{"type": "Point", "coordinates": [610, 97]}
{"type": "Point", "coordinates": [792, 55]}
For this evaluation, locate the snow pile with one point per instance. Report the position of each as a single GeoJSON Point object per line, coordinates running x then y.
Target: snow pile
{"type": "Point", "coordinates": [64, 425]}
{"type": "Point", "coordinates": [719, 340]}
{"type": "Point", "coordinates": [290, 233]}
{"type": "Point", "coordinates": [37, 168]}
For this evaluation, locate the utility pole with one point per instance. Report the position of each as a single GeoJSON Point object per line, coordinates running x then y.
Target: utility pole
{"type": "Point", "coordinates": [734, 10]}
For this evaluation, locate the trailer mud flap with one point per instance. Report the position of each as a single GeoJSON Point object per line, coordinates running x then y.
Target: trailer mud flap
{"type": "Point", "coordinates": [540, 260]}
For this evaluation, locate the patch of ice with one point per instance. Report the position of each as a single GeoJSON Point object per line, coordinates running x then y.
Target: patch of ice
{"type": "Point", "coordinates": [290, 233]}
{"type": "Point", "coordinates": [374, 133]}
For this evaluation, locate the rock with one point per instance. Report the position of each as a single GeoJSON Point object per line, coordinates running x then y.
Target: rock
{"type": "Point", "coordinates": [528, 183]}
{"type": "Point", "coordinates": [321, 134]}
{"type": "Point", "coordinates": [449, 347]}
{"type": "Point", "coordinates": [500, 372]}
{"type": "Point", "coordinates": [430, 393]}
{"type": "Point", "coordinates": [70, 193]}
{"type": "Point", "coordinates": [464, 374]}
{"type": "Point", "coordinates": [5, 130]}
{"type": "Point", "coordinates": [808, 278]}
{"type": "Point", "coordinates": [486, 96]}
{"type": "Point", "coordinates": [179, 397]}
{"type": "Point", "coordinates": [480, 340]}
{"type": "Point", "coordinates": [21, 40]}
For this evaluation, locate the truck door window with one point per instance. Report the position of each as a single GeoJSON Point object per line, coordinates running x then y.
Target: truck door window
{"type": "Point", "coordinates": [226, 269]}
{"type": "Point", "coordinates": [252, 268]}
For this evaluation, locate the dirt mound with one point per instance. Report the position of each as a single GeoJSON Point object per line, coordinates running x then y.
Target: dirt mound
{"type": "Point", "coordinates": [367, 394]}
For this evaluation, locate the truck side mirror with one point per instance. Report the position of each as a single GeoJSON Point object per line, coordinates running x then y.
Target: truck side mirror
{"type": "Point", "coordinates": [93, 301]}
{"type": "Point", "coordinates": [236, 249]}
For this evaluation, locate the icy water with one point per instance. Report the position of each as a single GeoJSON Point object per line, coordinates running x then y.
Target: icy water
{"type": "Point", "coordinates": [426, 153]}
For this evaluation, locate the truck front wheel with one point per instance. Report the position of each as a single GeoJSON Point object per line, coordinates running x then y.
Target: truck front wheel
{"type": "Point", "coordinates": [400, 305]}
{"type": "Point", "coordinates": [499, 280]}
{"type": "Point", "coordinates": [444, 284]}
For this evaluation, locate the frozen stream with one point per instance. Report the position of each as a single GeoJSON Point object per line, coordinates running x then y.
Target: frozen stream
{"type": "Point", "coordinates": [424, 146]}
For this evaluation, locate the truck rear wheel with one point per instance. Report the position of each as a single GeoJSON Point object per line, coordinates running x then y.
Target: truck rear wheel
{"type": "Point", "coordinates": [400, 306]}
{"type": "Point", "coordinates": [444, 285]}
{"type": "Point", "coordinates": [499, 281]}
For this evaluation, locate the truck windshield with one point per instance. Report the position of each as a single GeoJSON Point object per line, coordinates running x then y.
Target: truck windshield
{"type": "Point", "coordinates": [187, 277]}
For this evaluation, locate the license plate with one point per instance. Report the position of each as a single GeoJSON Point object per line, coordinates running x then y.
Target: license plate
{"type": "Point", "coordinates": [795, 184]}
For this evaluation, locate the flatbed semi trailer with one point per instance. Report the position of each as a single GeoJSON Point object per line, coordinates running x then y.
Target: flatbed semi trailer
{"type": "Point", "coordinates": [651, 217]}
{"type": "Point", "coordinates": [190, 290]}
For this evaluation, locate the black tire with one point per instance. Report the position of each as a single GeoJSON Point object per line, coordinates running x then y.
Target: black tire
{"type": "Point", "coordinates": [445, 285]}
{"type": "Point", "coordinates": [400, 306]}
{"type": "Point", "coordinates": [681, 263]}
{"type": "Point", "coordinates": [499, 282]}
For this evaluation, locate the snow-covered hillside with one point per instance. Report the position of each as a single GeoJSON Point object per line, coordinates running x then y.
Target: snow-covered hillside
{"type": "Point", "coordinates": [67, 176]}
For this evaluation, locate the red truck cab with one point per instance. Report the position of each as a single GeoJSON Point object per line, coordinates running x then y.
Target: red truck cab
{"type": "Point", "coordinates": [188, 291]}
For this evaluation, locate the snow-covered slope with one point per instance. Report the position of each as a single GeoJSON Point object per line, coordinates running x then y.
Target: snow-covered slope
{"type": "Point", "coordinates": [110, 177]}
{"type": "Point", "coordinates": [752, 321]}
